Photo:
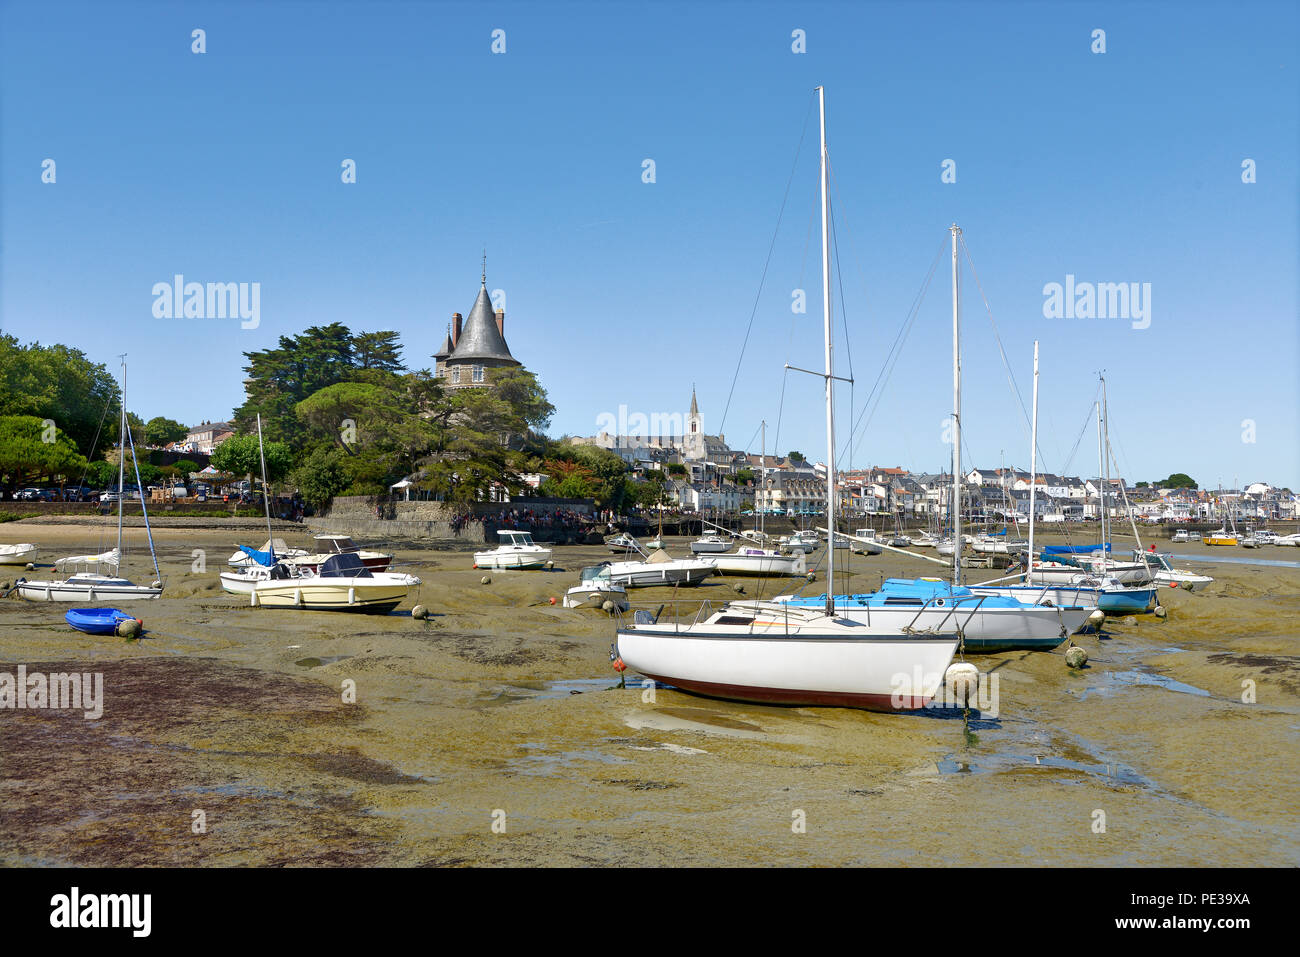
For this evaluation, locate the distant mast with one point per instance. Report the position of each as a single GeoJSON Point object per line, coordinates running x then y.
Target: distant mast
{"type": "Point", "coordinates": [830, 368]}
{"type": "Point", "coordinates": [956, 413]}
{"type": "Point", "coordinates": [1033, 470]}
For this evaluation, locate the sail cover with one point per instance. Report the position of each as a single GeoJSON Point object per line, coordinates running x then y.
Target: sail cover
{"type": "Point", "coordinates": [266, 558]}
{"type": "Point", "coordinates": [1049, 550]}
{"type": "Point", "coordinates": [112, 557]}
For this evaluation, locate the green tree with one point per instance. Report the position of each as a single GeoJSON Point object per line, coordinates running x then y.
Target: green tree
{"type": "Point", "coordinates": [743, 477]}
{"type": "Point", "coordinates": [58, 383]}
{"type": "Point", "coordinates": [280, 378]}
{"type": "Point", "coordinates": [186, 467]}
{"type": "Point", "coordinates": [101, 474]}
{"type": "Point", "coordinates": [1178, 480]}
{"type": "Point", "coordinates": [30, 450]}
{"type": "Point", "coordinates": [320, 476]}
{"type": "Point", "coordinates": [676, 468]}
{"type": "Point", "coordinates": [238, 455]}
{"type": "Point", "coordinates": [795, 457]}
{"type": "Point", "coordinates": [160, 431]}
{"type": "Point", "coordinates": [377, 350]}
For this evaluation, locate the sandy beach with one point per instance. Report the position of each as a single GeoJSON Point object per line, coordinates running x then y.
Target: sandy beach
{"type": "Point", "coordinates": [494, 733]}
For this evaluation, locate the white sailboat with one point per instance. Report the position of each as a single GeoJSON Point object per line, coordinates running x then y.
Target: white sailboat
{"type": "Point", "coordinates": [782, 654]}
{"type": "Point", "coordinates": [93, 585]}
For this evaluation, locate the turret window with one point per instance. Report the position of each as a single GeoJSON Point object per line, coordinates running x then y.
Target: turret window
{"type": "Point", "coordinates": [479, 375]}
{"type": "Point", "coordinates": [455, 375]}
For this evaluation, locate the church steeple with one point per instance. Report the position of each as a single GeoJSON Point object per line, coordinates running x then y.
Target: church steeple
{"type": "Point", "coordinates": [695, 406]}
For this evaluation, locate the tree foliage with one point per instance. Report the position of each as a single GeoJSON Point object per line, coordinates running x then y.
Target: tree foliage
{"type": "Point", "coordinates": [31, 450]}
{"type": "Point", "coordinates": [59, 383]}
{"type": "Point", "coordinates": [239, 455]}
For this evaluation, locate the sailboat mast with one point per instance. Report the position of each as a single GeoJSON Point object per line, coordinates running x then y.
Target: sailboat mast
{"type": "Point", "coordinates": [956, 413]}
{"type": "Point", "coordinates": [1033, 471]}
{"type": "Point", "coordinates": [767, 489]}
{"type": "Point", "coordinates": [261, 454]}
{"type": "Point", "coordinates": [830, 368]}
{"type": "Point", "coordinates": [121, 468]}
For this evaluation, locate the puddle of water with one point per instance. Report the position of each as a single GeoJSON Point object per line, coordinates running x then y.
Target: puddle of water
{"type": "Point", "coordinates": [317, 662]}
{"type": "Point", "coordinates": [547, 764]}
{"type": "Point", "coordinates": [1129, 679]}
{"type": "Point", "coordinates": [670, 747]}
{"type": "Point", "coordinates": [541, 690]}
{"type": "Point", "coordinates": [992, 763]}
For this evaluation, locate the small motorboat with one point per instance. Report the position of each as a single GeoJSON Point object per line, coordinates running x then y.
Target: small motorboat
{"type": "Point", "coordinates": [517, 550]}
{"type": "Point", "coordinates": [98, 621]}
{"type": "Point", "coordinates": [710, 543]}
{"type": "Point", "coordinates": [21, 554]}
{"type": "Point", "coordinates": [595, 589]}
{"type": "Point", "coordinates": [622, 543]}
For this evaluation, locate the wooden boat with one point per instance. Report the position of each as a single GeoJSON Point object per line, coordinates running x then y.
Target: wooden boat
{"type": "Point", "coordinates": [97, 621]}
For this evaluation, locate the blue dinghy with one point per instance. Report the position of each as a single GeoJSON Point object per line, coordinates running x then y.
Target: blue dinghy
{"type": "Point", "coordinates": [97, 621]}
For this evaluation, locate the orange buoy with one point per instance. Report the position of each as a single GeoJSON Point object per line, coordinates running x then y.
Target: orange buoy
{"type": "Point", "coordinates": [552, 600]}
{"type": "Point", "coordinates": [619, 666]}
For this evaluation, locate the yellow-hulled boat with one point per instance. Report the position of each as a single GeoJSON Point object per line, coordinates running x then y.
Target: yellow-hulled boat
{"type": "Point", "coordinates": [1221, 537]}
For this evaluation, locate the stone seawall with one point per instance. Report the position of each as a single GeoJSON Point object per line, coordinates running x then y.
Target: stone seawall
{"type": "Point", "coordinates": [375, 532]}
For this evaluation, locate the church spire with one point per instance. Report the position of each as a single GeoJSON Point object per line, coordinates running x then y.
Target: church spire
{"type": "Point", "coordinates": [695, 406]}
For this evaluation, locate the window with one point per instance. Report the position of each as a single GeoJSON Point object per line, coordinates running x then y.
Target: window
{"type": "Point", "coordinates": [478, 374]}
{"type": "Point", "coordinates": [455, 375]}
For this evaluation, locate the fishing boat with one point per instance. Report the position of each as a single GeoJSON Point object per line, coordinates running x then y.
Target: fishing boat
{"type": "Point", "coordinates": [1183, 535]}
{"type": "Point", "coordinates": [778, 653]}
{"type": "Point", "coordinates": [595, 588]}
{"type": "Point", "coordinates": [342, 584]}
{"type": "Point", "coordinates": [21, 554]}
{"type": "Point", "coordinates": [517, 550]}
{"type": "Point", "coordinates": [97, 621]}
{"type": "Point", "coordinates": [92, 585]}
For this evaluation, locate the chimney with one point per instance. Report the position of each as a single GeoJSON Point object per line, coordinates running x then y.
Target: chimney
{"type": "Point", "coordinates": [456, 320]}
{"type": "Point", "coordinates": [501, 322]}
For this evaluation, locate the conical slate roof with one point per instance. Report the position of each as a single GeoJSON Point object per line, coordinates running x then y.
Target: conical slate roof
{"type": "Point", "coordinates": [480, 338]}
{"type": "Point", "coordinates": [446, 346]}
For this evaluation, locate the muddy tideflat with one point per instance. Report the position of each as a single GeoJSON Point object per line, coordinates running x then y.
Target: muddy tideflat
{"type": "Point", "coordinates": [494, 733]}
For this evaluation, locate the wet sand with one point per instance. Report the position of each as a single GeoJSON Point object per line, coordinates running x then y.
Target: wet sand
{"type": "Point", "coordinates": [502, 709]}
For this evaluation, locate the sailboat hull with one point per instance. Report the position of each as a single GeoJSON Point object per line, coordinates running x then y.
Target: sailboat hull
{"type": "Point", "coordinates": [87, 590]}
{"type": "Point", "coordinates": [888, 674]}
{"type": "Point", "coordinates": [757, 561]}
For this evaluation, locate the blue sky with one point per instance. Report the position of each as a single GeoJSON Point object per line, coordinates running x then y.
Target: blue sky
{"type": "Point", "coordinates": [1122, 166]}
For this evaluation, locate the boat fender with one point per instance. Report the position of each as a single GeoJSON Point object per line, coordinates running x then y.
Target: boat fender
{"type": "Point", "coordinates": [419, 612]}
{"type": "Point", "coordinates": [485, 580]}
{"type": "Point", "coordinates": [1076, 657]}
{"type": "Point", "coordinates": [962, 680]}
{"type": "Point", "coordinates": [1160, 611]}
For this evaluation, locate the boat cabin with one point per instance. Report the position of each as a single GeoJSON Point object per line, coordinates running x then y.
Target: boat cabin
{"type": "Point", "coordinates": [516, 539]}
